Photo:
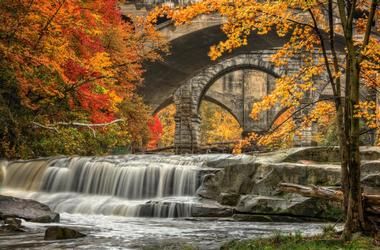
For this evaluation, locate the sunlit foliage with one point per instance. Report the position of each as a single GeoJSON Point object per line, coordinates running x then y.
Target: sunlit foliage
{"type": "Point", "coordinates": [217, 124]}
{"type": "Point", "coordinates": [66, 61]}
{"type": "Point", "coordinates": [166, 117]}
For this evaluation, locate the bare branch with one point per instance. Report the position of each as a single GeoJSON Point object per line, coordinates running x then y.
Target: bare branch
{"type": "Point", "coordinates": [369, 23]}
{"type": "Point", "coordinates": [324, 52]}
{"type": "Point", "coordinates": [91, 126]}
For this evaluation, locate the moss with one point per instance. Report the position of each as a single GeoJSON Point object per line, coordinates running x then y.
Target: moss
{"type": "Point", "coordinates": [297, 242]}
{"type": "Point", "coordinates": [171, 246]}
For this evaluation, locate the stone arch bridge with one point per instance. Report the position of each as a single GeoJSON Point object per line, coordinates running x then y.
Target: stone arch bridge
{"type": "Point", "coordinates": [235, 81]}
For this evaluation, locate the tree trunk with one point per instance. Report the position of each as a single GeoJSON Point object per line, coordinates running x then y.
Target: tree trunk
{"type": "Point", "coordinates": [354, 216]}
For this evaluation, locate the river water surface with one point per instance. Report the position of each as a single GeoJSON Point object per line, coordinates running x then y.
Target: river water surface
{"type": "Point", "coordinates": [116, 232]}
{"type": "Point", "coordinates": [127, 202]}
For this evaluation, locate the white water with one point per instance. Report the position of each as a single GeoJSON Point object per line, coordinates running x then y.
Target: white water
{"type": "Point", "coordinates": [103, 197]}
{"type": "Point", "coordinates": [131, 185]}
{"type": "Point", "coordinates": [111, 232]}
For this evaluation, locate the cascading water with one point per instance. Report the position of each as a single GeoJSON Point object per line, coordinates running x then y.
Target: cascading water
{"type": "Point", "coordinates": [131, 185]}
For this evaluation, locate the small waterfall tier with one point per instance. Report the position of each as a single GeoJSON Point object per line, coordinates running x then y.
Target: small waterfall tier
{"type": "Point", "coordinates": [130, 185]}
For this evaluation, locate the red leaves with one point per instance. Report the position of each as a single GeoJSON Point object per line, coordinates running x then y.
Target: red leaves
{"type": "Point", "coordinates": [97, 104]}
{"type": "Point", "coordinates": [86, 45]}
{"type": "Point", "coordinates": [73, 71]}
{"type": "Point", "coordinates": [155, 131]}
{"type": "Point", "coordinates": [78, 59]}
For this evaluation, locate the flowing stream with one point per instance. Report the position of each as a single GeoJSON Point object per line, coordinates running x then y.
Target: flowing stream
{"type": "Point", "coordinates": [125, 202]}
{"type": "Point", "coordinates": [132, 185]}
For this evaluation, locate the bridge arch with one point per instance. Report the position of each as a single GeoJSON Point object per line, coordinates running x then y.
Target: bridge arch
{"type": "Point", "coordinates": [188, 97]}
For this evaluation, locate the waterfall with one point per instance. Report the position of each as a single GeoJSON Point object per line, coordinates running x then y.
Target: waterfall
{"type": "Point", "coordinates": [130, 185]}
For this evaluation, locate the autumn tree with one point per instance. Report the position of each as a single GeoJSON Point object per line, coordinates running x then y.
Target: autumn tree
{"type": "Point", "coordinates": [313, 28]}
{"type": "Point", "coordinates": [166, 116]}
{"type": "Point", "coordinates": [69, 69]}
{"type": "Point", "coordinates": [218, 125]}
{"type": "Point", "coordinates": [155, 131]}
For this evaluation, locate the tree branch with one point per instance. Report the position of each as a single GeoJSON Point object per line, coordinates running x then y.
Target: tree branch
{"type": "Point", "coordinates": [44, 29]}
{"type": "Point", "coordinates": [54, 126]}
{"type": "Point", "coordinates": [324, 52]}
{"type": "Point", "coordinates": [369, 23]}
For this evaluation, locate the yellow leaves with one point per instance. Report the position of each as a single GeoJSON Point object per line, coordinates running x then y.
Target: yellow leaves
{"type": "Point", "coordinates": [370, 66]}
{"type": "Point", "coordinates": [115, 100]}
{"type": "Point", "coordinates": [166, 117]}
{"type": "Point", "coordinates": [368, 111]}
{"type": "Point", "coordinates": [280, 136]}
{"type": "Point", "coordinates": [101, 62]}
{"type": "Point", "coordinates": [217, 124]}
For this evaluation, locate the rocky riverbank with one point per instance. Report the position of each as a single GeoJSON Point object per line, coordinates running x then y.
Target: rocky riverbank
{"type": "Point", "coordinates": [29, 210]}
{"type": "Point", "coordinates": [240, 187]}
{"type": "Point", "coordinates": [248, 185]}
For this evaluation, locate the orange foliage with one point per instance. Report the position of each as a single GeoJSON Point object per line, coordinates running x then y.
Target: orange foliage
{"type": "Point", "coordinates": [166, 117]}
{"type": "Point", "coordinates": [77, 52]}
{"type": "Point", "coordinates": [155, 129]}
{"type": "Point", "coordinates": [302, 21]}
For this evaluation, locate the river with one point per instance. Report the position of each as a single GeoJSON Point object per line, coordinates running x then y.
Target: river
{"type": "Point", "coordinates": [126, 202]}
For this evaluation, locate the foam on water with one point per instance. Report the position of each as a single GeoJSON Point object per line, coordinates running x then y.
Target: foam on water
{"type": "Point", "coordinates": [131, 185]}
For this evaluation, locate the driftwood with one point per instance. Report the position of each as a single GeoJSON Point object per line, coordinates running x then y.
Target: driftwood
{"type": "Point", "coordinates": [312, 191]}
{"type": "Point", "coordinates": [371, 203]}
{"type": "Point", "coordinates": [325, 193]}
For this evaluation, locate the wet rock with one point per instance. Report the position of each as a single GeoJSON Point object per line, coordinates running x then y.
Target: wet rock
{"type": "Point", "coordinates": [13, 221]}
{"type": "Point", "coordinates": [315, 154]}
{"type": "Point", "coordinates": [61, 233]}
{"type": "Point", "coordinates": [370, 180]}
{"type": "Point", "coordinates": [371, 184]}
{"type": "Point", "coordinates": [326, 154]}
{"type": "Point", "coordinates": [273, 218]}
{"type": "Point", "coordinates": [204, 211]}
{"type": "Point", "coordinates": [370, 167]}
{"type": "Point", "coordinates": [10, 229]}
{"type": "Point", "coordinates": [222, 161]}
{"type": "Point", "coordinates": [209, 208]}
{"type": "Point", "coordinates": [269, 176]}
{"type": "Point", "coordinates": [30, 210]}
{"type": "Point", "coordinates": [370, 153]}
{"type": "Point", "coordinates": [209, 188]}
{"type": "Point", "coordinates": [11, 225]}
{"type": "Point", "coordinates": [294, 206]}
{"type": "Point", "coordinates": [229, 199]}
{"type": "Point", "coordinates": [263, 178]}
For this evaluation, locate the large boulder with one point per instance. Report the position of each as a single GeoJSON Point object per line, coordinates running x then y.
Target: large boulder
{"type": "Point", "coordinates": [370, 173]}
{"type": "Point", "coordinates": [371, 183]}
{"type": "Point", "coordinates": [229, 199]}
{"type": "Point", "coordinates": [268, 176]}
{"type": "Point", "coordinates": [261, 174]}
{"type": "Point", "coordinates": [209, 208]}
{"type": "Point", "coordinates": [263, 178]}
{"type": "Point", "coordinates": [209, 188]}
{"type": "Point", "coordinates": [316, 154]}
{"type": "Point", "coordinates": [30, 210]}
{"type": "Point", "coordinates": [370, 167]}
{"type": "Point", "coordinates": [322, 154]}
{"type": "Point", "coordinates": [61, 233]}
{"type": "Point", "coordinates": [370, 153]}
{"type": "Point", "coordinates": [290, 206]}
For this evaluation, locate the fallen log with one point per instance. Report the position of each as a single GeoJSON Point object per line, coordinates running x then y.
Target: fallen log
{"type": "Point", "coordinates": [372, 202]}
{"type": "Point", "coordinates": [312, 191]}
